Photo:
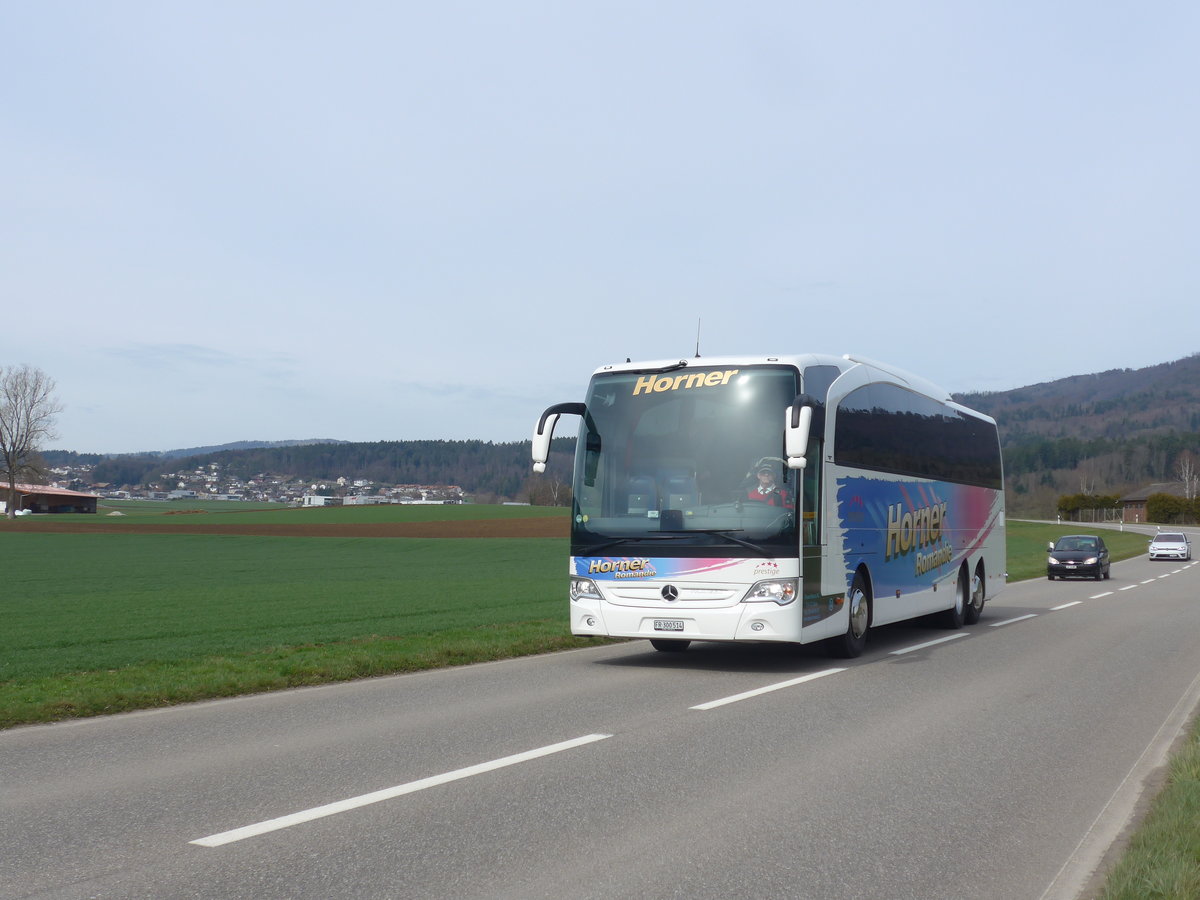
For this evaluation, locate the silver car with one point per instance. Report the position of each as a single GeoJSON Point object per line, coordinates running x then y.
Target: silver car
{"type": "Point", "coordinates": [1170, 545]}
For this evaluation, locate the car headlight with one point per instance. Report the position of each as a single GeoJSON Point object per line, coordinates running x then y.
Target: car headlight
{"type": "Point", "coordinates": [1090, 561]}
{"type": "Point", "coordinates": [779, 590]}
{"type": "Point", "coordinates": [582, 588]}
{"type": "Point", "coordinates": [1052, 561]}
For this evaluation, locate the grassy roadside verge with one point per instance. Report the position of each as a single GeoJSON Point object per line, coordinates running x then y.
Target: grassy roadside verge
{"type": "Point", "coordinates": [1162, 860]}
{"type": "Point", "coordinates": [169, 682]}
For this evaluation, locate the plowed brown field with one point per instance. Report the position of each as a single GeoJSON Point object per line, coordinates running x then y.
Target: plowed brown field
{"type": "Point", "coordinates": [476, 528]}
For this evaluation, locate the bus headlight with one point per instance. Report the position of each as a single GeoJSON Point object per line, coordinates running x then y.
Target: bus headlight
{"type": "Point", "coordinates": [780, 590]}
{"type": "Point", "coordinates": [584, 588]}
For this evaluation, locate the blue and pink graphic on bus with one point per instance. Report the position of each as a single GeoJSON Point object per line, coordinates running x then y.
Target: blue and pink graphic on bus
{"type": "Point", "coordinates": [632, 568]}
{"type": "Point", "coordinates": [912, 533]}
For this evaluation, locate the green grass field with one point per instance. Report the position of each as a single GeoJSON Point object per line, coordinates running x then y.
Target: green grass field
{"type": "Point", "coordinates": [97, 623]}
{"type": "Point", "coordinates": [126, 600]}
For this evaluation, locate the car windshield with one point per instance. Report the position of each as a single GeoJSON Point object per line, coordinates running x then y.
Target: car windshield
{"type": "Point", "coordinates": [1170, 538]}
{"type": "Point", "coordinates": [1076, 543]}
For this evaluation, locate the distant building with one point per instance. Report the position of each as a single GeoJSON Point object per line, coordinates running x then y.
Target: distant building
{"type": "Point", "coordinates": [1133, 504]}
{"type": "Point", "coordinates": [41, 498]}
{"type": "Point", "coordinates": [319, 500]}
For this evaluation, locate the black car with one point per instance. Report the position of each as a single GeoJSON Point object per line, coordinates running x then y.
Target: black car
{"type": "Point", "coordinates": [1077, 556]}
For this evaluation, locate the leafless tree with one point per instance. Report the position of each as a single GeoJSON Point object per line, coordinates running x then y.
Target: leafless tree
{"type": "Point", "coordinates": [1185, 470]}
{"type": "Point", "coordinates": [547, 490]}
{"type": "Point", "coordinates": [28, 408]}
{"type": "Point", "coordinates": [1087, 481]}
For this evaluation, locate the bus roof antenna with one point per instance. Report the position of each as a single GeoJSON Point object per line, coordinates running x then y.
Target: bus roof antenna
{"type": "Point", "coordinates": [697, 338]}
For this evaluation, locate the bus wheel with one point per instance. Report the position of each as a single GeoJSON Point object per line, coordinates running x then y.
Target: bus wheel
{"type": "Point", "coordinates": [851, 644]}
{"type": "Point", "coordinates": [956, 615]}
{"type": "Point", "coordinates": [975, 604]}
{"type": "Point", "coordinates": [669, 646]}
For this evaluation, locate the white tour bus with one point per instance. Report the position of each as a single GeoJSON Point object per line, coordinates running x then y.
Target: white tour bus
{"type": "Point", "coordinates": [783, 498]}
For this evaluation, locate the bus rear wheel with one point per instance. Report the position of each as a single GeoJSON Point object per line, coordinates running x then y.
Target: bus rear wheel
{"type": "Point", "coordinates": [858, 601]}
{"type": "Point", "coordinates": [975, 604]}
{"type": "Point", "coordinates": [665, 646]}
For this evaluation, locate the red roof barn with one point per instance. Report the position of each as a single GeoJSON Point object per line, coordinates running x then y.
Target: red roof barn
{"type": "Point", "coordinates": [41, 498]}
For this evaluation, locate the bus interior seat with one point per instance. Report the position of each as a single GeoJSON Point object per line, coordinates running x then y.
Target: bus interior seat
{"type": "Point", "coordinates": [642, 494]}
{"type": "Point", "coordinates": [680, 491]}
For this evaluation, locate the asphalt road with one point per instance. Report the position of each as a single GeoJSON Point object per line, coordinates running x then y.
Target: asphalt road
{"type": "Point", "coordinates": [998, 763]}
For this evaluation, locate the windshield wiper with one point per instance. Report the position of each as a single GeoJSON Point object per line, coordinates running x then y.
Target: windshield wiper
{"type": "Point", "coordinates": [670, 367]}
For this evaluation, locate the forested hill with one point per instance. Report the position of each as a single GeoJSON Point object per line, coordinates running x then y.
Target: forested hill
{"type": "Point", "coordinates": [1108, 433]}
{"type": "Point", "coordinates": [1120, 403]}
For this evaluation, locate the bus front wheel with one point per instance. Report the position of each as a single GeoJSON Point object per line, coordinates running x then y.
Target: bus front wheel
{"type": "Point", "coordinates": [957, 614]}
{"type": "Point", "coordinates": [858, 601]}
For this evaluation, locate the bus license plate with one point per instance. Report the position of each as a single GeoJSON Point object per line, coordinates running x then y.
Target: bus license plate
{"type": "Point", "coordinates": [668, 624]}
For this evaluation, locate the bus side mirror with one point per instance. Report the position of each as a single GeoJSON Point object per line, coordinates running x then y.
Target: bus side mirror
{"type": "Point", "coordinates": [544, 431]}
{"type": "Point", "coordinates": [796, 426]}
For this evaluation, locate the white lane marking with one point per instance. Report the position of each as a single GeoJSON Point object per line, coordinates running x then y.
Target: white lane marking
{"type": "Point", "coordinates": [1017, 619]}
{"type": "Point", "coordinates": [329, 809]}
{"type": "Point", "coordinates": [1067, 605]}
{"type": "Point", "coordinates": [930, 643]}
{"type": "Point", "coordinates": [713, 704]}
{"type": "Point", "coordinates": [1098, 596]}
{"type": "Point", "coordinates": [1148, 581]}
{"type": "Point", "coordinates": [1129, 587]}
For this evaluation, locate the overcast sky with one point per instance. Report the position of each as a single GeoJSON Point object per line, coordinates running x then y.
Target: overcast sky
{"type": "Point", "coordinates": [242, 220]}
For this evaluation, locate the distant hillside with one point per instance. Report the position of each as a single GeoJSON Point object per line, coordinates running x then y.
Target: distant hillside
{"type": "Point", "coordinates": [497, 471]}
{"type": "Point", "coordinates": [1107, 433]}
{"type": "Point", "coordinates": [1119, 403]}
{"type": "Point", "coordinates": [70, 457]}
{"type": "Point", "coordinates": [236, 445]}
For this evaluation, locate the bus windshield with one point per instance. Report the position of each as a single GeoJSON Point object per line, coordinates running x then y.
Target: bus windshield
{"type": "Point", "coordinates": [689, 455]}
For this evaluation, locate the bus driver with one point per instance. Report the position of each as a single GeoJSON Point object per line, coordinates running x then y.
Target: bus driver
{"type": "Point", "coordinates": [766, 491]}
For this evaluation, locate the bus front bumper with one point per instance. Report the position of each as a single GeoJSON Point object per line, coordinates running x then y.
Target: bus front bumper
{"type": "Point", "coordinates": [740, 622]}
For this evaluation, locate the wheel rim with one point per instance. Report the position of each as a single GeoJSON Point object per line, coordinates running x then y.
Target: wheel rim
{"type": "Point", "coordinates": [976, 592]}
{"type": "Point", "coordinates": [859, 613]}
